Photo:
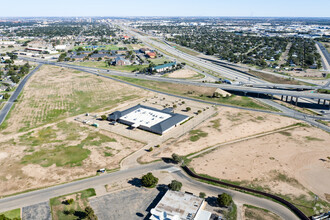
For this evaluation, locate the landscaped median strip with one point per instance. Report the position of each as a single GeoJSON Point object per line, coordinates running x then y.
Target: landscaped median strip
{"type": "Point", "coordinates": [293, 208]}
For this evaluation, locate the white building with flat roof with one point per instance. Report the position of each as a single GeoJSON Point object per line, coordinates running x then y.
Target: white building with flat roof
{"type": "Point", "coordinates": [180, 206]}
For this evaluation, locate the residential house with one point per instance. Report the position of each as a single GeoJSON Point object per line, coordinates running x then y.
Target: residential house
{"type": "Point", "coordinates": [103, 51]}
{"type": "Point", "coordinates": [80, 57]}
{"type": "Point", "coordinates": [98, 56]}
{"type": "Point", "coordinates": [144, 50]}
{"type": "Point", "coordinates": [120, 61]}
{"type": "Point", "coordinates": [151, 55]}
{"type": "Point", "coordinates": [121, 52]}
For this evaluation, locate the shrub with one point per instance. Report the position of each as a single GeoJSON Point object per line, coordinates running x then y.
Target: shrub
{"type": "Point", "coordinates": [103, 117]}
{"type": "Point", "coordinates": [176, 158]}
{"type": "Point", "coordinates": [175, 185]}
{"type": "Point", "coordinates": [202, 195]}
{"type": "Point", "coordinates": [224, 199]}
{"type": "Point", "coordinates": [70, 201]}
{"type": "Point", "coordinates": [149, 180]}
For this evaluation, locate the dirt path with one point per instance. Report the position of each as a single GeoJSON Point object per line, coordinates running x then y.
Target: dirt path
{"type": "Point", "coordinates": [240, 140]}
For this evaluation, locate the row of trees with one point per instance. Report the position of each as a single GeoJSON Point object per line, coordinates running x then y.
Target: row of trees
{"type": "Point", "coordinates": [150, 181]}
{"type": "Point", "coordinates": [303, 53]}
{"type": "Point", "coordinates": [15, 72]}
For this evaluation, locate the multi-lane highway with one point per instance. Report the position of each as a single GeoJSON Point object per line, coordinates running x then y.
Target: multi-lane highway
{"type": "Point", "coordinates": [222, 70]}
{"type": "Point", "coordinates": [325, 56]}
{"type": "Point", "coordinates": [5, 110]}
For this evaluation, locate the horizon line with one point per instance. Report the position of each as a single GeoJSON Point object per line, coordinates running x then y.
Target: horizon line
{"type": "Point", "coordinates": [164, 16]}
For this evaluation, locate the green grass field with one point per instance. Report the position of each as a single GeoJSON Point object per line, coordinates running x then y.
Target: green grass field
{"type": "Point", "coordinates": [102, 65]}
{"type": "Point", "coordinates": [12, 214]}
{"type": "Point", "coordinates": [159, 61]}
{"type": "Point", "coordinates": [61, 210]}
{"type": "Point", "coordinates": [195, 135]}
{"type": "Point", "coordinates": [62, 153]}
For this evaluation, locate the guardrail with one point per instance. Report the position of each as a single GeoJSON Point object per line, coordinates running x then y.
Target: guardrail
{"type": "Point", "coordinates": [293, 208]}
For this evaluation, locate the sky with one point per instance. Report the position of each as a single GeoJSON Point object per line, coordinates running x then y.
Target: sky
{"type": "Point", "coordinates": [242, 8]}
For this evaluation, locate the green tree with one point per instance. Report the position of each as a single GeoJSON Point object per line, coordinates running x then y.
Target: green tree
{"type": "Point", "coordinates": [175, 185]}
{"type": "Point", "coordinates": [70, 201]}
{"type": "Point", "coordinates": [62, 57]}
{"type": "Point", "coordinates": [188, 109]}
{"type": "Point", "coordinates": [90, 215]}
{"type": "Point", "coordinates": [6, 96]}
{"type": "Point", "coordinates": [202, 195]}
{"type": "Point", "coordinates": [103, 117]}
{"type": "Point", "coordinates": [224, 199]}
{"type": "Point", "coordinates": [176, 158]}
{"type": "Point", "coordinates": [3, 217]}
{"type": "Point", "coordinates": [149, 180]}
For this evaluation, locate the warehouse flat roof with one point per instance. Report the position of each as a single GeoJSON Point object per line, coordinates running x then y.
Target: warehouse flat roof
{"type": "Point", "coordinates": [148, 118]}
{"type": "Point", "coordinates": [145, 117]}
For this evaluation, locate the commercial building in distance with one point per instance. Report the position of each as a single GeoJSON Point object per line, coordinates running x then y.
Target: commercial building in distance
{"type": "Point", "coordinates": [148, 118]}
{"type": "Point", "coordinates": [164, 67]}
{"type": "Point", "coordinates": [180, 206]}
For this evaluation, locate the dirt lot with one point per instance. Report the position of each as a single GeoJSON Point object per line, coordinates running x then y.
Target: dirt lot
{"type": "Point", "coordinates": [254, 213]}
{"type": "Point", "coordinates": [183, 73]}
{"type": "Point", "coordinates": [42, 138]}
{"type": "Point", "coordinates": [67, 151]}
{"type": "Point", "coordinates": [290, 163]}
{"type": "Point", "coordinates": [229, 124]}
{"type": "Point", "coordinates": [55, 93]}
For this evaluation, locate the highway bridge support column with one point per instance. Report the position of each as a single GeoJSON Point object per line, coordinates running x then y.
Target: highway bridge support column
{"type": "Point", "coordinates": [319, 101]}
{"type": "Point", "coordinates": [281, 97]}
{"type": "Point", "coordinates": [291, 99]}
{"type": "Point", "coordinates": [324, 102]}
{"type": "Point", "coordinates": [286, 98]}
{"type": "Point", "coordinates": [296, 100]}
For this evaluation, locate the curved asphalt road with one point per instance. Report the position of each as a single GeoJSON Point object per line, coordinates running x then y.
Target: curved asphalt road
{"type": "Point", "coordinates": [5, 110]}
{"type": "Point", "coordinates": [38, 196]}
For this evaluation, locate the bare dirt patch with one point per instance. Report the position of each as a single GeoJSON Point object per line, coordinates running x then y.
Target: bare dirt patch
{"type": "Point", "coordinates": [40, 147]}
{"type": "Point", "coordinates": [55, 93]}
{"type": "Point", "coordinates": [183, 73]}
{"type": "Point", "coordinates": [290, 163]}
{"type": "Point", "coordinates": [229, 124]}
{"type": "Point", "coordinates": [254, 213]}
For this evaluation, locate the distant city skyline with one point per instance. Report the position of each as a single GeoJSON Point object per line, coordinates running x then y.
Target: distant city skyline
{"type": "Point", "coordinates": [111, 8]}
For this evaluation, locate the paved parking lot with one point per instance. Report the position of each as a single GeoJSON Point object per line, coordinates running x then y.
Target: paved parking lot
{"type": "Point", "coordinates": [39, 211]}
{"type": "Point", "coordinates": [127, 204]}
